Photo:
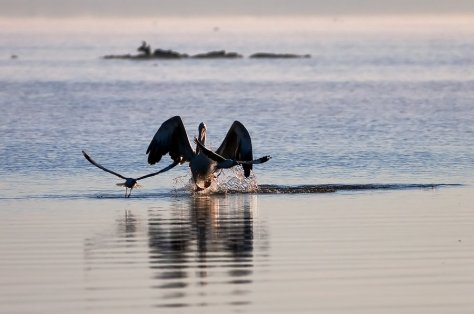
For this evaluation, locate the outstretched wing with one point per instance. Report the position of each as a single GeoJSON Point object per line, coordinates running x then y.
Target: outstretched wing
{"type": "Point", "coordinates": [218, 158]}
{"type": "Point", "coordinates": [209, 153]}
{"type": "Point", "coordinates": [158, 172]}
{"type": "Point", "coordinates": [101, 167]}
{"type": "Point", "coordinates": [237, 145]}
{"type": "Point", "coordinates": [170, 138]}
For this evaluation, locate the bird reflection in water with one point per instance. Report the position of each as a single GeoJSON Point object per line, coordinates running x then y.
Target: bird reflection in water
{"type": "Point", "coordinates": [197, 251]}
{"type": "Point", "coordinates": [203, 249]}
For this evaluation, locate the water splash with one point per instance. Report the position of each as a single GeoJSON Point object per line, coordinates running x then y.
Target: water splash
{"type": "Point", "coordinates": [227, 181]}
{"type": "Point", "coordinates": [234, 181]}
{"type": "Point", "coordinates": [182, 184]}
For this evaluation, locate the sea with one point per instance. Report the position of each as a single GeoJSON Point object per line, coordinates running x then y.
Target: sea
{"type": "Point", "coordinates": [367, 205]}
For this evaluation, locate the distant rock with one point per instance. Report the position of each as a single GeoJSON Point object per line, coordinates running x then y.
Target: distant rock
{"type": "Point", "coordinates": [221, 54]}
{"type": "Point", "coordinates": [157, 54]}
{"type": "Point", "coordinates": [126, 56]}
{"type": "Point", "coordinates": [270, 55]}
{"type": "Point", "coordinates": [147, 54]}
{"type": "Point", "coordinates": [168, 54]}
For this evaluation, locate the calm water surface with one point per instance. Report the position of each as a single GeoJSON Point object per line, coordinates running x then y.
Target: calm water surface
{"type": "Point", "coordinates": [367, 108]}
{"type": "Point", "coordinates": [390, 252]}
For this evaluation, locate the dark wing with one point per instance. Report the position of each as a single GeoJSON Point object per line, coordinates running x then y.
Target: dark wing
{"type": "Point", "coordinates": [237, 145]}
{"type": "Point", "coordinates": [209, 153]}
{"type": "Point", "coordinates": [218, 158]}
{"type": "Point", "coordinates": [158, 172]}
{"type": "Point", "coordinates": [100, 166]}
{"type": "Point", "coordinates": [170, 138]}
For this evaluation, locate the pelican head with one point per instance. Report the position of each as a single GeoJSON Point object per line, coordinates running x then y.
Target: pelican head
{"type": "Point", "coordinates": [202, 168]}
{"type": "Point", "coordinates": [202, 129]}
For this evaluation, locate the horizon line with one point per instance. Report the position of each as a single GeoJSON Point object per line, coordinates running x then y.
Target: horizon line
{"type": "Point", "coordinates": [225, 15]}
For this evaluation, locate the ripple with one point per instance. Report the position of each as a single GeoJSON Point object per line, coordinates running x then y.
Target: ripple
{"type": "Point", "coordinates": [243, 189]}
{"type": "Point", "coordinates": [330, 188]}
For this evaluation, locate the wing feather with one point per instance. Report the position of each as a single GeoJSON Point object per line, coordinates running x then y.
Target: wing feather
{"type": "Point", "coordinates": [237, 145]}
{"type": "Point", "coordinates": [171, 138]}
{"type": "Point", "coordinates": [92, 161]}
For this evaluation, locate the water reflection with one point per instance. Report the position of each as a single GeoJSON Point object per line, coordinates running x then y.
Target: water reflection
{"type": "Point", "coordinates": [203, 249]}
{"type": "Point", "coordinates": [187, 252]}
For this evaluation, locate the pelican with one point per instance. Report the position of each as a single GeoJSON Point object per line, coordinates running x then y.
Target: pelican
{"type": "Point", "coordinates": [236, 149]}
{"type": "Point", "coordinates": [129, 183]}
{"type": "Point", "coordinates": [145, 48]}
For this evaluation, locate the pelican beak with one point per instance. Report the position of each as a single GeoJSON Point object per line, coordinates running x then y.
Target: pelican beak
{"type": "Point", "coordinates": [202, 136]}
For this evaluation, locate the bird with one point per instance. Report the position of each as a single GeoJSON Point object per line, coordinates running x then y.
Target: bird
{"type": "Point", "coordinates": [236, 149]}
{"type": "Point", "coordinates": [130, 183]}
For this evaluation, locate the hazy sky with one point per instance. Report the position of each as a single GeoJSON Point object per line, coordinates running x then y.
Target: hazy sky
{"type": "Point", "coordinates": [135, 8]}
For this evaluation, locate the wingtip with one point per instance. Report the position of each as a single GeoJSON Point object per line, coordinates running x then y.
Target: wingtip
{"type": "Point", "coordinates": [264, 159]}
{"type": "Point", "coordinates": [86, 156]}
